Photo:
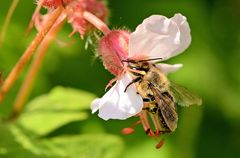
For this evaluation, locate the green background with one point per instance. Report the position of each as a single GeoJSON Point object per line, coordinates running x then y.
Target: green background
{"type": "Point", "coordinates": [211, 68]}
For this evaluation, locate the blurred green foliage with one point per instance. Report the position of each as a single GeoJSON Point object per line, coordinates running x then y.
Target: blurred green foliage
{"type": "Point", "coordinates": [211, 66]}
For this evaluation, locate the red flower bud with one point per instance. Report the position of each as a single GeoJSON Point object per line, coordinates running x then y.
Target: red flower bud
{"type": "Point", "coordinates": [113, 48]}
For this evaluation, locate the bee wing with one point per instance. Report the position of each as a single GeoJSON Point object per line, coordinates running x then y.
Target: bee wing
{"type": "Point", "coordinates": [184, 96]}
{"type": "Point", "coordinates": [167, 107]}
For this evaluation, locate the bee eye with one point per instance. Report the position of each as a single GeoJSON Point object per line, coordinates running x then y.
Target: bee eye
{"type": "Point", "coordinates": [151, 97]}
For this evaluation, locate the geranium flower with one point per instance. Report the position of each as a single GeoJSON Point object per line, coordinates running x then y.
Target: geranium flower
{"type": "Point", "coordinates": [157, 37]}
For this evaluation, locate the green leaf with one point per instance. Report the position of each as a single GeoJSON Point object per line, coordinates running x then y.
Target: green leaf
{"type": "Point", "coordinates": [9, 145]}
{"type": "Point", "coordinates": [60, 107]}
{"type": "Point", "coordinates": [84, 146]}
{"type": "Point", "coordinates": [78, 146]}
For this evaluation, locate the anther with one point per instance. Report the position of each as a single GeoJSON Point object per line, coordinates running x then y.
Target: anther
{"type": "Point", "coordinates": [128, 131]}
{"type": "Point", "coordinates": [160, 144]}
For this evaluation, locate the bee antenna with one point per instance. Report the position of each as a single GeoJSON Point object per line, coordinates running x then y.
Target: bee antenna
{"type": "Point", "coordinates": [150, 59]}
{"type": "Point", "coordinates": [129, 61]}
{"type": "Point", "coordinates": [134, 61]}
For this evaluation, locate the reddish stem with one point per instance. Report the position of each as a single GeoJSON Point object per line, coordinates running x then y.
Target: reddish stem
{"type": "Point", "coordinates": [26, 87]}
{"type": "Point", "coordinates": [7, 20]}
{"type": "Point", "coordinates": [28, 53]}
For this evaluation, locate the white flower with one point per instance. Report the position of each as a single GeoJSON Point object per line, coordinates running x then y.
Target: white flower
{"type": "Point", "coordinates": [117, 104]}
{"type": "Point", "coordinates": [157, 37]}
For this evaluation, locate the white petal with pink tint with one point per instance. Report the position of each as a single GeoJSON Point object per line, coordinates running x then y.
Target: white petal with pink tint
{"type": "Point", "coordinates": [117, 104]}
{"type": "Point", "coordinates": [159, 36]}
{"type": "Point", "coordinates": [167, 68]}
{"type": "Point", "coordinates": [185, 34]}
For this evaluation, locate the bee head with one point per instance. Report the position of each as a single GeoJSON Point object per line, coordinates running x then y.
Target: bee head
{"type": "Point", "coordinates": [137, 65]}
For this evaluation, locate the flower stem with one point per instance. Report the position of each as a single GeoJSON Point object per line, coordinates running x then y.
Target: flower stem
{"type": "Point", "coordinates": [98, 23]}
{"type": "Point", "coordinates": [7, 20]}
{"type": "Point", "coordinates": [7, 84]}
{"type": "Point", "coordinates": [27, 85]}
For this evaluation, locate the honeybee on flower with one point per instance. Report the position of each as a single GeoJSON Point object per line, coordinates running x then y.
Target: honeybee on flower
{"type": "Point", "coordinates": [141, 86]}
{"type": "Point", "coordinates": [156, 37]}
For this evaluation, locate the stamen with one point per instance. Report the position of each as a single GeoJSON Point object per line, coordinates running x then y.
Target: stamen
{"type": "Point", "coordinates": [127, 130]}
{"type": "Point", "coordinates": [143, 115]}
{"type": "Point", "coordinates": [157, 132]}
{"type": "Point", "coordinates": [130, 130]}
{"type": "Point", "coordinates": [145, 123]}
{"type": "Point", "coordinates": [160, 144]}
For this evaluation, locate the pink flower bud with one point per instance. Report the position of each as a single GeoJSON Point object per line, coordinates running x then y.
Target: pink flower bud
{"type": "Point", "coordinates": [113, 48]}
{"type": "Point", "coordinates": [75, 12]}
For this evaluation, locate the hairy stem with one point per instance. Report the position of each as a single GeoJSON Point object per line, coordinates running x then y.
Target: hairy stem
{"type": "Point", "coordinates": [99, 24]}
{"type": "Point", "coordinates": [7, 20]}
{"type": "Point", "coordinates": [28, 53]}
{"type": "Point", "coordinates": [27, 85]}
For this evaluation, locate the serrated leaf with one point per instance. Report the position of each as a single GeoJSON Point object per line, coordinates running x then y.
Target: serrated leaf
{"type": "Point", "coordinates": [60, 107]}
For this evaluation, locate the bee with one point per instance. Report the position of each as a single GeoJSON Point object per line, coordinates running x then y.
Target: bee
{"type": "Point", "coordinates": [160, 95]}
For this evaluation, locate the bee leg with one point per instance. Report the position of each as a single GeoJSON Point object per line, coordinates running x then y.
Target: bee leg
{"type": "Point", "coordinates": [133, 81]}
{"type": "Point", "coordinates": [164, 131]}
{"type": "Point", "coordinates": [150, 132]}
{"type": "Point", "coordinates": [147, 131]}
{"type": "Point", "coordinates": [111, 82]}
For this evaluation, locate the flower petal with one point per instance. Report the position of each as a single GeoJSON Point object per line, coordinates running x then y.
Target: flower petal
{"type": "Point", "coordinates": [95, 105]}
{"type": "Point", "coordinates": [167, 68]}
{"type": "Point", "coordinates": [160, 37]}
{"type": "Point", "coordinates": [117, 104]}
{"type": "Point", "coordinates": [185, 34]}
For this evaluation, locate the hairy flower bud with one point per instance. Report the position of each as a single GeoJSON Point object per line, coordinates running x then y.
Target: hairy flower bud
{"type": "Point", "coordinates": [113, 48]}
